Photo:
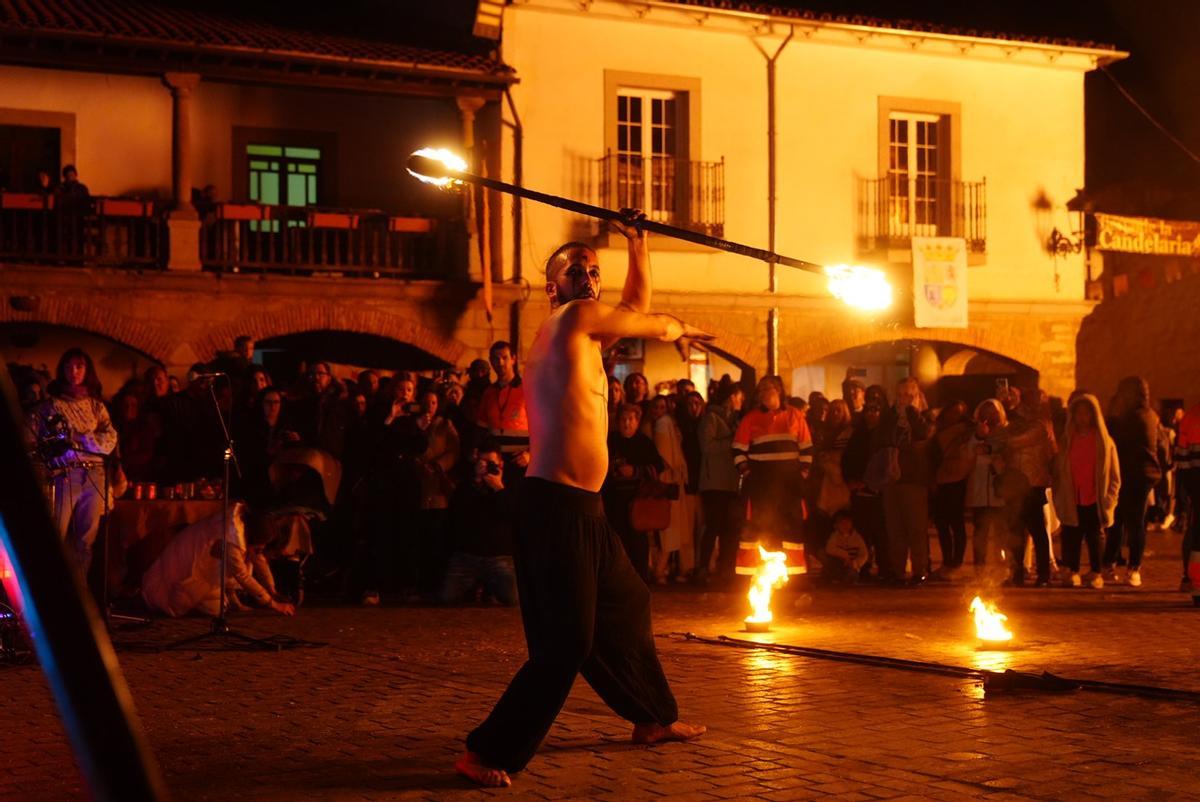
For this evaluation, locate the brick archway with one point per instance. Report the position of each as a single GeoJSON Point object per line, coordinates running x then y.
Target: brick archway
{"type": "Point", "coordinates": [1019, 343]}
{"type": "Point", "coordinates": [97, 318]}
{"type": "Point", "coordinates": [326, 317]}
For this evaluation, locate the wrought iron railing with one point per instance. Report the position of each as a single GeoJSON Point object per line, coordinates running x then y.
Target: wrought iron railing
{"type": "Point", "coordinates": [243, 237]}
{"type": "Point", "coordinates": [680, 192]}
{"type": "Point", "coordinates": [101, 231]}
{"type": "Point", "coordinates": [894, 209]}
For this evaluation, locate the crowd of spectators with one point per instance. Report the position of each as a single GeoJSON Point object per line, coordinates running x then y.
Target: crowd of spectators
{"type": "Point", "coordinates": [407, 480]}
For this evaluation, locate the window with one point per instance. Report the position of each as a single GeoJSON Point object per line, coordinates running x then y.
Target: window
{"type": "Point", "coordinates": [914, 178]}
{"type": "Point", "coordinates": [648, 149]}
{"type": "Point", "coordinates": [282, 175]}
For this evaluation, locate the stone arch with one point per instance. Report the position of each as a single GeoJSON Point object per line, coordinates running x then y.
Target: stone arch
{"type": "Point", "coordinates": [324, 317]}
{"type": "Point", "coordinates": [1008, 339]}
{"type": "Point", "coordinates": [95, 317]}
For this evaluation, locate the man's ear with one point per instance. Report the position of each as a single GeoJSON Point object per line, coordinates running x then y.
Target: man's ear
{"type": "Point", "coordinates": [551, 291]}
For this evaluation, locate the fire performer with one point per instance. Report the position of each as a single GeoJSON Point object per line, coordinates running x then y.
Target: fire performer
{"type": "Point", "coordinates": [584, 607]}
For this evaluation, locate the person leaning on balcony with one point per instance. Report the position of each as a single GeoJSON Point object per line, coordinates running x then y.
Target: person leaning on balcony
{"type": "Point", "coordinates": [72, 194]}
{"type": "Point", "coordinates": [1087, 484]}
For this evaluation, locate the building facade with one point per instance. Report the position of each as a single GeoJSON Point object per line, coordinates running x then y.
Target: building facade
{"type": "Point", "coordinates": [876, 134]}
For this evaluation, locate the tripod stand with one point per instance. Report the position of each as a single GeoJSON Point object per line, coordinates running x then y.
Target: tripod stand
{"type": "Point", "coordinates": [220, 630]}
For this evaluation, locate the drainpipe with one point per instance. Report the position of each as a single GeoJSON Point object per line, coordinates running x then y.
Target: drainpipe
{"type": "Point", "coordinates": [518, 134]}
{"type": "Point", "coordinates": [773, 315]}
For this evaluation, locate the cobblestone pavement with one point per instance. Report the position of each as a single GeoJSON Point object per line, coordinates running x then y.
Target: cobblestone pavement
{"type": "Point", "coordinates": [379, 712]}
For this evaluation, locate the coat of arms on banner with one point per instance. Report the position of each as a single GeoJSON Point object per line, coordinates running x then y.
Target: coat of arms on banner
{"type": "Point", "coordinates": [940, 282]}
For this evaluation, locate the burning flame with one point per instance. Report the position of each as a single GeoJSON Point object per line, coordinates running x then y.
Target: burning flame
{"type": "Point", "coordinates": [449, 158]}
{"type": "Point", "coordinates": [989, 622]}
{"type": "Point", "coordinates": [861, 287]}
{"type": "Point", "coordinates": [771, 573]}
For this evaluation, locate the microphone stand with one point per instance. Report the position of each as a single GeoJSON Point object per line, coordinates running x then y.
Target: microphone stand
{"type": "Point", "coordinates": [220, 629]}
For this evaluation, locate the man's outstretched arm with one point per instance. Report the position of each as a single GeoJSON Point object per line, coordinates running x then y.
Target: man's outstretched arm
{"type": "Point", "coordinates": [604, 323]}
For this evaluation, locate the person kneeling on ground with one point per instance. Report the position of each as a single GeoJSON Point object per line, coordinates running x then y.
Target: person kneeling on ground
{"type": "Point", "coordinates": [846, 551]}
{"type": "Point", "coordinates": [481, 524]}
{"type": "Point", "coordinates": [186, 577]}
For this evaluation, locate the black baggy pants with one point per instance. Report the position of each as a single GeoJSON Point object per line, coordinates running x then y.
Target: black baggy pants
{"type": "Point", "coordinates": [585, 611]}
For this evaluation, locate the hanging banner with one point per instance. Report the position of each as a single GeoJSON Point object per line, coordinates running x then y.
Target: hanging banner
{"type": "Point", "coordinates": [1147, 235]}
{"type": "Point", "coordinates": [940, 282]}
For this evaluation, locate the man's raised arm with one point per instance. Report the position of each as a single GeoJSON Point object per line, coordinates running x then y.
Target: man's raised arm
{"type": "Point", "coordinates": [635, 296]}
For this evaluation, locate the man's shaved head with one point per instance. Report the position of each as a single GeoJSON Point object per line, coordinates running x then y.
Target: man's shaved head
{"type": "Point", "coordinates": [572, 274]}
{"type": "Point", "coordinates": [558, 259]}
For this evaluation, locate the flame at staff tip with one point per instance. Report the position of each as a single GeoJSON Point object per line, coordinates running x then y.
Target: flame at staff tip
{"type": "Point", "coordinates": [449, 158]}
{"type": "Point", "coordinates": [989, 622]}
{"type": "Point", "coordinates": [771, 573]}
{"type": "Point", "coordinates": [861, 287]}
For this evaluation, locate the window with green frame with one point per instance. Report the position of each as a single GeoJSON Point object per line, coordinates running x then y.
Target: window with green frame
{"type": "Point", "coordinates": [283, 175]}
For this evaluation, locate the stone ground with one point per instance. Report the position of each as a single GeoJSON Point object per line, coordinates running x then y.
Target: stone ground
{"type": "Point", "coordinates": [380, 711]}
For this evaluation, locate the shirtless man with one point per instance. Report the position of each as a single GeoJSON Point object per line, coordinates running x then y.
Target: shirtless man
{"type": "Point", "coordinates": [584, 607]}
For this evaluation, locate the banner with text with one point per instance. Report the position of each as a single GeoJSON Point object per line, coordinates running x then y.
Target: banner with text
{"type": "Point", "coordinates": [940, 282]}
{"type": "Point", "coordinates": [1147, 235]}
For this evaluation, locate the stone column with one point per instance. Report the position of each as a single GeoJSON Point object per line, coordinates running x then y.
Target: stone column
{"type": "Point", "coordinates": [468, 107]}
{"type": "Point", "coordinates": [183, 223]}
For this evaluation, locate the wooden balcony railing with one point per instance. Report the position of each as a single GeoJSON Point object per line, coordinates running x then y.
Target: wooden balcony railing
{"type": "Point", "coordinates": [241, 237]}
{"type": "Point", "coordinates": [893, 210]}
{"type": "Point", "coordinates": [100, 231]}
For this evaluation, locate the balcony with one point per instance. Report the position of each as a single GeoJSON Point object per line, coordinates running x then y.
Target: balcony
{"type": "Point", "coordinates": [679, 192]}
{"type": "Point", "coordinates": [131, 233]}
{"type": "Point", "coordinates": [97, 231]}
{"type": "Point", "coordinates": [893, 210]}
{"type": "Point", "coordinates": [244, 237]}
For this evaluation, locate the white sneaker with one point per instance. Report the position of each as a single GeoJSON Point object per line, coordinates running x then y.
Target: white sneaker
{"type": "Point", "coordinates": [370, 598]}
{"type": "Point", "coordinates": [1135, 579]}
{"type": "Point", "coordinates": [1168, 522]}
{"type": "Point", "coordinates": [1095, 581]}
{"type": "Point", "coordinates": [1075, 581]}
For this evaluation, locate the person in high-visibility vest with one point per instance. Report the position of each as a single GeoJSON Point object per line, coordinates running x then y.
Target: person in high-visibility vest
{"type": "Point", "coordinates": [773, 452]}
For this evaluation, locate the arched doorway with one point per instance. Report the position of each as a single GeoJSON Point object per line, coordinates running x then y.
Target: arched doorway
{"type": "Point", "coordinates": [946, 371]}
{"type": "Point", "coordinates": [38, 346]}
{"type": "Point", "coordinates": [286, 355]}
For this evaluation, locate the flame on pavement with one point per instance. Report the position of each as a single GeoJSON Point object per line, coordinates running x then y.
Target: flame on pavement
{"type": "Point", "coordinates": [771, 574]}
{"type": "Point", "coordinates": [989, 622]}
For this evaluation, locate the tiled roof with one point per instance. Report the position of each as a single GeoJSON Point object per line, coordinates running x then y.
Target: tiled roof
{"type": "Point", "coordinates": [139, 21]}
{"type": "Point", "coordinates": [849, 18]}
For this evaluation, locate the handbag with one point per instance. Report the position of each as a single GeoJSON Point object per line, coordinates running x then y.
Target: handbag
{"type": "Point", "coordinates": [650, 510]}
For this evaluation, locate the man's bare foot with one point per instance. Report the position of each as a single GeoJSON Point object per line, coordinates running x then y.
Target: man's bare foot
{"type": "Point", "coordinates": [471, 767]}
{"type": "Point", "coordinates": [657, 733]}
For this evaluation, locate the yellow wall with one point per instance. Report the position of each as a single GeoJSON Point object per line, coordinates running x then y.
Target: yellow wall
{"type": "Point", "coordinates": [1022, 129]}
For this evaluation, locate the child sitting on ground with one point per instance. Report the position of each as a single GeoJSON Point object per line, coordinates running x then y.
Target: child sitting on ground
{"type": "Point", "coordinates": [846, 551]}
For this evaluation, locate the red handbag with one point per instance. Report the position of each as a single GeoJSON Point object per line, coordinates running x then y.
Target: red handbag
{"type": "Point", "coordinates": [650, 510]}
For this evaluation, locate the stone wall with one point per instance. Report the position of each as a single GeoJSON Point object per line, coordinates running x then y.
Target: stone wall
{"type": "Point", "coordinates": [1149, 332]}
